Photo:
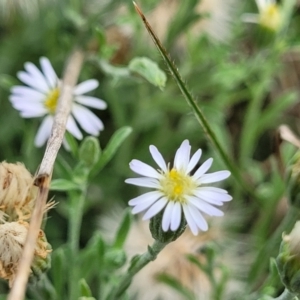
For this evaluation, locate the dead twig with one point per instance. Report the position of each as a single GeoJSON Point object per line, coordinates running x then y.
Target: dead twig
{"type": "Point", "coordinates": [44, 173]}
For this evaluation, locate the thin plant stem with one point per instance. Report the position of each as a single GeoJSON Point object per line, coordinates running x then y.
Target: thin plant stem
{"type": "Point", "coordinates": [197, 111]}
{"type": "Point", "coordinates": [136, 265]}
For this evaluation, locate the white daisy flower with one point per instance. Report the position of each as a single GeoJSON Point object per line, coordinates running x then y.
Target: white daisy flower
{"type": "Point", "coordinates": [176, 190]}
{"type": "Point", "coordinates": [39, 98]}
{"type": "Point", "coordinates": [269, 16]}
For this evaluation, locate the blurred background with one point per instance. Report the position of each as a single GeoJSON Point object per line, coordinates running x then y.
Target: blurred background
{"type": "Point", "coordinates": [244, 75]}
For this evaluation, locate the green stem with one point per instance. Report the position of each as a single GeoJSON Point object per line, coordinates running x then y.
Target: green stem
{"type": "Point", "coordinates": [136, 265]}
{"type": "Point", "coordinates": [197, 111]}
{"type": "Point", "coordinates": [75, 219]}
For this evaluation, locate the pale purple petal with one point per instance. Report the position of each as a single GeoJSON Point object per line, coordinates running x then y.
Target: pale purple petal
{"type": "Point", "coordinates": [85, 86]}
{"type": "Point", "coordinates": [73, 128]}
{"type": "Point", "coordinates": [91, 102]}
{"type": "Point", "coordinates": [155, 208]}
{"type": "Point", "coordinates": [213, 177]}
{"type": "Point", "coordinates": [89, 122]}
{"type": "Point", "coordinates": [204, 206]}
{"type": "Point", "coordinates": [213, 189]}
{"type": "Point", "coordinates": [198, 218]}
{"type": "Point", "coordinates": [194, 160]}
{"type": "Point", "coordinates": [176, 216]}
{"type": "Point", "coordinates": [49, 72]}
{"type": "Point", "coordinates": [32, 81]}
{"type": "Point", "coordinates": [145, 182]}
{"type": "Point", "coordinates": [203, 168]}
{"type": "Point", "coordinates": [158, 158]}
{"type": "Point", "coordinates": [144, 197]}
{"type": "Point", "coordinates": [145, 204]}
{"type": "Point", "coordinates": [44, 131]}
{"type": "Point", "coordinates": [166, 221]}
{"type": "Point", "coordinates": [182, 156]}
{"type": "Point", "coordinates": [27, 93]}
{"type": "Point", "coordinates": [37, 76]}
{"type": "Point", "coordinates": [192, 224]}
{"type": "Point", "coordinates": [210, 195]}
{"type": "Point", "coordinates": [141, 168]}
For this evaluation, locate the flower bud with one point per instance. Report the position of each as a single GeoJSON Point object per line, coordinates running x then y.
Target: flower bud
{"type": "Point", "coordinates": [12, 240]}
{"type": "Point", "coordinates": [288, 260]}
{"type": "Point", "coordinates": [162, 236]}
{"type": "Point", "coordinates": [89, 151]}
{"type": "Point", "coordinates": [293, 181]}
{"type": "Point", "coordinates": [17, 193]}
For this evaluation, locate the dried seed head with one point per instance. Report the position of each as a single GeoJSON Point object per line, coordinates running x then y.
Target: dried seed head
{"type": "Point", "coordinates": [12, 240]}
{"type": "Point", "coordinates": [17, 193]}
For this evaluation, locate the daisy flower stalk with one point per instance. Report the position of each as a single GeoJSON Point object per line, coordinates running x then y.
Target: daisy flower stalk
{"type": "Point", "coordinates": [177, 192]}
{"type": "Point", "coordinates": [39, 99]}
{"type": "Point", "coordinates": [269, 16]}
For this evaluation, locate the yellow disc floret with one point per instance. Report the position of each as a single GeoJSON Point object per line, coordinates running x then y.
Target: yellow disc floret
{"type": "Point", "coordinates": [51, 101]}
{"type": "Point", "coordinates": [270, 17]}
{"type": "Point", "coordinates": [176, 185]}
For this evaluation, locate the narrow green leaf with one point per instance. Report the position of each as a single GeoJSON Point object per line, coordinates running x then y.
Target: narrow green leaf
{"type": "Point", "coordinates": [176, 285]}
{"type": "Point", "coordinates": [72, 143]}
{"type": "Point", "coordinates": [84, 288]}
{"type": "Point", "coordinates": [58, 270]}
{"type": "Point", "coordinates": [115, 142]}
{"type": "Point", "coordinates": [123, 230]}
{"type": "Point", "coordinates": [63, 185]}
{"type": "Point", "coordinates": [149, 70]}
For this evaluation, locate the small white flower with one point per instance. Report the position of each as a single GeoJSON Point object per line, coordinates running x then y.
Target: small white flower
{"type": "Point", "coordinates": [176, 190]}
{"type": "Point", "coordinates": [269, 16]}
{"type": "Point", "coordinates": [39, 98]}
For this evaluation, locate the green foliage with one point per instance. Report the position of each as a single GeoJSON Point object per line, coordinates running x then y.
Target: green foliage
{"type": "Point", "coordinates": [240, 87]}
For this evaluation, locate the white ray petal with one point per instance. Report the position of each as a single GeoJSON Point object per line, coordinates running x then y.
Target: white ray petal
{"type": "Point", "coordinates": [182, 156]}
{"type": "Point", "coordinates": [49, 72]}
{"type": "Point", "coordinates": [91, 102]}
{"type": "Point", "coordinates": [27, 93]}
{"type": "Point", "coordinates": [198, 218]}
{"type": "Point", "coordinates": [214, 189]}
{"type": "Point", "coordinates": [32, 81]}
{"type": "Point", "coordinates": [141, 168]}
{"type": "Point", "coordinates": [166, 221]}
{"type": "Point", "coordinates": [85, 87]}
{"type": "Point", "coordinates": [144, 197]}
{"type": "Point", "coordinates": [155, 208]}
{"type": "Point", "coordinates": [145, 182]}
{"type": "Point", "coordinates": [192, 224]}
{"type": "Point", "coordinates": [43, 131]}
{"type": "Point", "coordinates": [194, 160]}
{"type": "Point", "coordinates": [214, 177]}
{"type": "Point", "coordinates": [89, 122]}
{"type": "Point", "coordinates": [203, 168]}
{"type": "Point", "coordinates": [145, 204]}
{"type": "Point", "coordinates": [176, 216]}
{"type": "Point", "coordinates": [37, 75]}
{"type": "Point", "coordinates": [210, 195]}
{"type": "Point", "coordinates": [158, 158]}
{"type": "Point", "coordinates": [73, 128]}
{"type": "Point", "coordinates": [205, 207]}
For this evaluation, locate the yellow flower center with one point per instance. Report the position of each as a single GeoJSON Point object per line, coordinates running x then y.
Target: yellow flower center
{"type": "Point", "coordinates": [51, 101]}
{"type": "Point", "coordinates": [176, 185]}
{"type": "Point", "coordinates": [270, 17]}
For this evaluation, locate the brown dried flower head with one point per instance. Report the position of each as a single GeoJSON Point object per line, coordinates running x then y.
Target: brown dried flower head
{"type": "Point", "coordinates": [17, 192]}
{"type": "Point", "coordinates": [12, 240]}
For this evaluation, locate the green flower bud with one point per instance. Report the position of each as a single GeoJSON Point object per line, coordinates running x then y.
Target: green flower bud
{"type": "Point", "coordinates": [115, 258]}
{"type": "Point", "coordinates": [293, 181]}
{"type": "Point", "coordinates": [157, 232]}
{"type": "Point", "coordinates": [288, 260]}
{"type": "Point", "coordinates": [89, 151]}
